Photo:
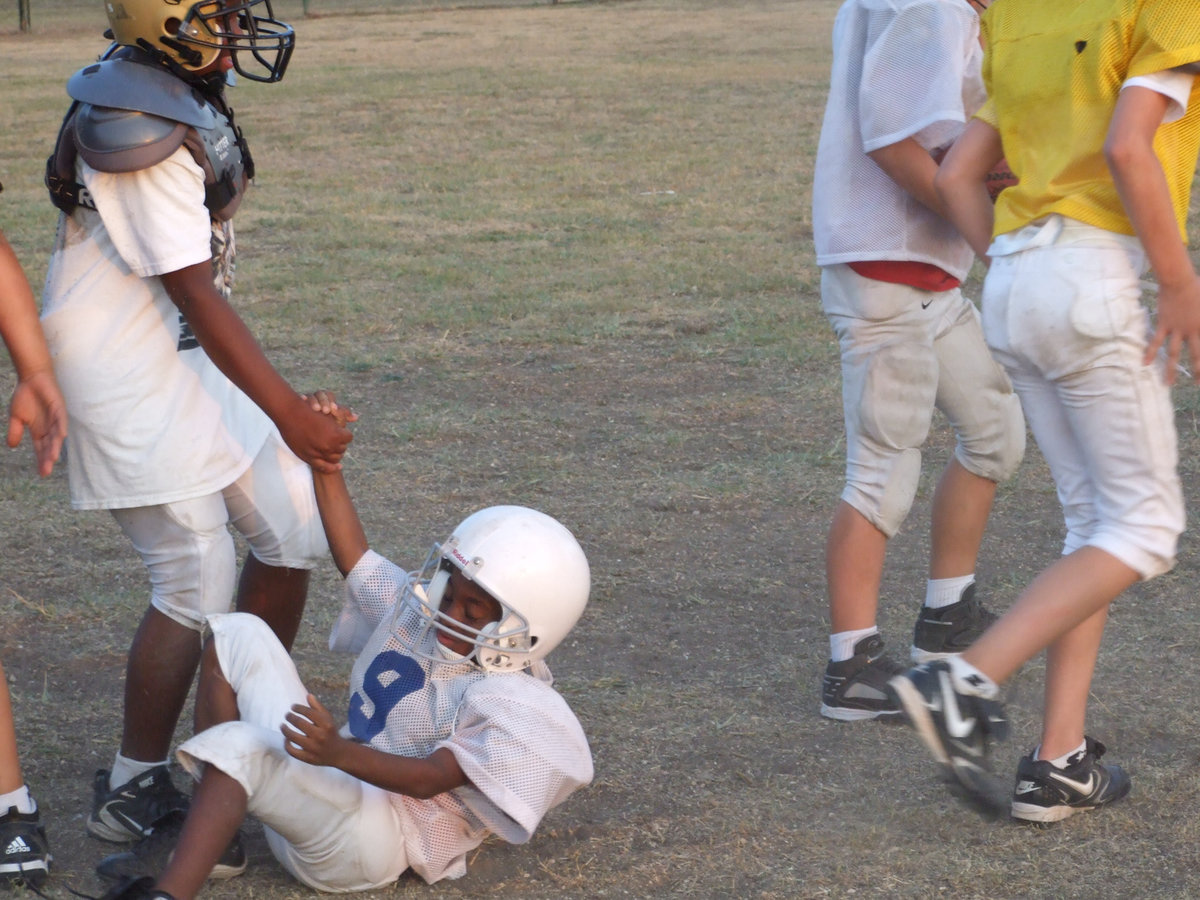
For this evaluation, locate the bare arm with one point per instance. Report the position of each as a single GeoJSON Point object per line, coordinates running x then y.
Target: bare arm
{"type": "Point", "coordinates": [37, 403]}
{"type": "Point", "coordinates": [960, 182]}
{"type": "Point", "coordinates": [317, 439]}
{"type": "Point", "coordinates": [311, 735]}
{"type": "Point", "coordinates": [343, 529]}
{"type": "Point", "coordinates": [909, 165]}
{"type": "Point", "coordinates": [1142, 185]}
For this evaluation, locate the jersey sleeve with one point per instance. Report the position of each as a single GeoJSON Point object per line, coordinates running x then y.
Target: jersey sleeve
{"type": "Point", "coordinates": [155, 217]}
{"type": "Point", "coordinates": [372, 588]}
{"type": "Point", "coordinates": [522, 749]}
{"type": "Point", "coordinates": [1174, 84]}
{"type": "Point", "coordinates": [914, 71]}
{"type": "Point", "coordinates": [1166, 35]}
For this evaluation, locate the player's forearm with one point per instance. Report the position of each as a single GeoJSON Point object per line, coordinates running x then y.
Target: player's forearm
{"type": "Point", "coordinates": [960, 183]}
{"type": "Point", "coordinates": [909, 165]}
{"type": "Point", "coordinates": [233, 349]}
{"type": "Point", "coordinates": [1142, 184]}
{"type": "Point", "coordinates": [413, 777]}
{"type": "Point", "coordinates": [19, 325]}
{"type": "Point", "coordinates": [343, 529]}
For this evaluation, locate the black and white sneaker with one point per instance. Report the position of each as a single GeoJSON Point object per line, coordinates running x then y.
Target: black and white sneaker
{"type": "Point", "coordinates": [24, 852]}
{"type": "Point", "coordinates": [150, 855]}
{"type": "Point", "coordinates": [128, 813]}
{"type": "Point", "coordinates": [856, 688]}
{"type": "Point", "coordinates": [951, 629]}
{"type": "Point", "coordinates": [1045, 793]}
{"type": "Point", "coordinates": [956, 727]}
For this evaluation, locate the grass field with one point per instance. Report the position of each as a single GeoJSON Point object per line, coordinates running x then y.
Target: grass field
{"type": "Point", "coordinates": [560, 255]}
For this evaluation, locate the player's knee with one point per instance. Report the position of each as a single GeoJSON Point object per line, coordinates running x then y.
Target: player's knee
{"type": "Point", "coordinates": [996, 451]}
{"type": "Point", "coordinates": [202, 587]}
{"type": "Point", "coordinates": [885, 500]}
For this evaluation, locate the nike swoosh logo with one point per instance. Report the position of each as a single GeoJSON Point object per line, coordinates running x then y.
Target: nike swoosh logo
{"type": "Point", "coordinates": [957, 727]}
{"type": "Point", "coordinates": [1025, 787]}
{"type": "Point", "coordinates": [925, 305]}
{"type": "Point", "coordinates": [1083, 787]}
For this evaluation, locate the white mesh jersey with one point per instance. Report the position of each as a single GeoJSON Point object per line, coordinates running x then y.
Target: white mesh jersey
{"type": "Point", "coordinates": [901, 69]}
{"type": "Point", "coordinates": [514, 736]}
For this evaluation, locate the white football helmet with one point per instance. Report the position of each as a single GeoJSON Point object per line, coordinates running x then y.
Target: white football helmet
{"type": "Point", "coordinates": [533, 567]}
{"type": "Point", "coordinates": [192, 33]}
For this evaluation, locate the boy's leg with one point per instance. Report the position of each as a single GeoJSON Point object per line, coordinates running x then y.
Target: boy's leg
{"type": "Point", "coordinates": [10, 766]}
{"type": "Point", "coordinates": [158, 675]}
{"type": "Point", "coordinates": [978, 400]}
{"type": "Point", "coordinates": [326, 827]}
{"type": "Point", "coordinates": [216, 701]}
{"type": "Point", "coordinates": [189, 557]}
{"type": "Point", "coordinates": [962, 503]}
{"type": "Point", "coordinates": [276, 594]}
{"type": "Point", "coordinates": [273, 505]}
{"type": "Point", "coordinates": [1070, 663]}
{"type": "Point", "coordinates": [217, 811]}
{"type": "Point", "coordinates": [267, 684]}
{"type": "Point", "coordinates": [24, 851]}
{"type": "Point", "coordinates": [889, 379]}
{"type": "Point", "coordinates": [854, 555]}
{"type": "Point", "coordinates": [1074, 590]}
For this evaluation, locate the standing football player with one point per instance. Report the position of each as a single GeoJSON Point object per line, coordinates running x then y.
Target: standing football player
{"type": "Point", "coordinates": [905, 80]}
{"type": "Point", "coordinates": [180, 427]}
{"type": "Point", "coordinates": [1095, 105]}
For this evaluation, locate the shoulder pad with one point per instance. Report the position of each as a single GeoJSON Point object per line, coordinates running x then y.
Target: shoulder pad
{"type": "Point", "coordinates": [124, 84]}
{"type": "Point", "coordinates": [121, 140]}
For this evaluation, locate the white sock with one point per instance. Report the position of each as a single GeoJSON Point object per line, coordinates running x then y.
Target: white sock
{"type": "Point", "coordinates": [125, 769]}
{"type": "Point", "coordinates": [21, 799]}
{"type": "Point", "coordinates": [841, 645]}
{"type": "Point", "coordinates": [1061, 762]}
{"type": "Point", "coordinates": [969, 680]}
{"type": "Point", "coordinates": [941, 592]}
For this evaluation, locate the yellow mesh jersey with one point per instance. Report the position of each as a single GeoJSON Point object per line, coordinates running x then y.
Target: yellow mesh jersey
{"type": "Point", "coordinates": [1053, 71]}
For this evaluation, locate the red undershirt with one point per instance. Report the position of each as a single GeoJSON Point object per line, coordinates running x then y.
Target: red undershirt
{"type": "Point", "coordinates": [924, 276]}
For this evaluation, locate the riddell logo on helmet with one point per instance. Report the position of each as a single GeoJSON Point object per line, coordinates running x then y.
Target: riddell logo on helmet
{"type": "Point", "coordinates": [459, 558]}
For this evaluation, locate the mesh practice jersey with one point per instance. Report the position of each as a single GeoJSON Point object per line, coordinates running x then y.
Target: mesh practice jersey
{"type": "Point", "coordinates": [514, 736]}
{"type": "Point", "coordinates": [1057, 69]}
{"type": "Point", "coordinates": [901, 69]}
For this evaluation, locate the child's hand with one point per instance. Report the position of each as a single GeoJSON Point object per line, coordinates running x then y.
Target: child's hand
{"type": "Point", "coordinates": [311, 735]}
{"type": "Point", "coordinates": [324, 402]}
{"type": "Point", "coordinates": [1178, 329]}
{"type": "Point", "coordinates": [37, 404]}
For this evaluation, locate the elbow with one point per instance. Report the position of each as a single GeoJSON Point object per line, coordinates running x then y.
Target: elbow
{"type": "Point", "coordinates": [1123, 152]}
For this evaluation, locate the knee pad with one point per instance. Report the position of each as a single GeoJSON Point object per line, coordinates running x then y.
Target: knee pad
{"type": "Point", "coordinates": [887, 505]}
{"type": "Point", "coordinates": [994, 452]}
{"type": "Point", "coordinates": [203, 581]}
{"type": "Point", "coordinates": [889, 401]}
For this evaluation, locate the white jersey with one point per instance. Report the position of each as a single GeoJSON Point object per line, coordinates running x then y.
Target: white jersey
{"type": "Point", "coordinates": [152, 420]}
{"type": "Point", "coordinates": [901, 69]}
{"type": "Point", "coordinates": [514, 736]}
